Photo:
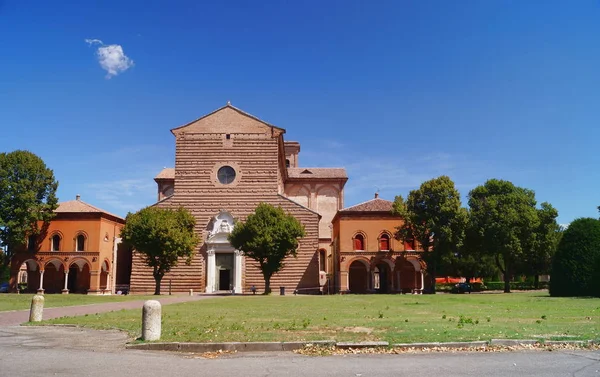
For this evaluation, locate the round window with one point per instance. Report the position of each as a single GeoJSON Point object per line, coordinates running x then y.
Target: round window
{"type": "Point", "coordinates": [226, 175]}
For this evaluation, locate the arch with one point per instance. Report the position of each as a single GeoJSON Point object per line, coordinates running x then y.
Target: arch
{"type": "Point", "coordinates": [359, 241]}
{"type": "Point", "coordinates": [81, 239]}
{"type": "Point", "coordinates": [382, 274]}
{"type": "Point", "coordinates": [53, 261]}
{"type": "Point", "coordinates": [56, 240]}
{"type": "Point", "coordinates": [358, 276]}
{"type": "Point", "coordinates": [54, 275]}
{"type": "Point", "coordinates": [80, 263]}
{"type": "Point", "coordinates": [79, 276]}
{"type": "Point", "coordinates": [408, 278]}
{"type": "Point", "coordinates": [29, 276]}
{"type": "Point", "coordinates": [384, 241]}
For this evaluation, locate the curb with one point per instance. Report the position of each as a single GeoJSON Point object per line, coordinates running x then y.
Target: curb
{"type": "Point", "coordinates": [292, 346]}
{"type": "Point", "coordinates": [229, 346]}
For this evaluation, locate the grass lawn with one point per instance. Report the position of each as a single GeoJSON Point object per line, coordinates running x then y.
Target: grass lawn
{"type": "Point", "coordinates": [394, 318]}
{"type": "Point", "coordinates": [23, 301]}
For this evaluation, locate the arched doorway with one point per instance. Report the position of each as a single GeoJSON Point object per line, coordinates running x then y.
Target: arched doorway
{"type": "Point", "coordinates": [105, 276]}
{"type": "Point", "coordinates": [79, 276]}
{"type": "Point", "coordinates": [358, 277]}
{"type": "Point", "coordinates": [382, 282]}
{"type": "Point", "coordinates": [408, 277]}
{"type": "Point", "coordinates": [29, 276]}
{"type": "Point", "coordinates": [54, 276]}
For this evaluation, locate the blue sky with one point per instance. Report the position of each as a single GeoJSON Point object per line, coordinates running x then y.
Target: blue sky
{"type": "Point", "coordinates": [395, 91]}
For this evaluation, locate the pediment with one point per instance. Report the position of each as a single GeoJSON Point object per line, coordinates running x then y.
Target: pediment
{"type": "Point", "coordinates": [229, 119]}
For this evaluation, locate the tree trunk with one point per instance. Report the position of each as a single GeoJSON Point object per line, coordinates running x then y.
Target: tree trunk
{"type": "Point", "coordinates": [157, 279]}
{"type": "Point", "coordinates": [506, 280]}
{"type": "Point", "coordinates": [267, 285]}
{"type": "Point", "coordinates": [468, 280]}
{"type": "Point", "coordinates": [536, 281]}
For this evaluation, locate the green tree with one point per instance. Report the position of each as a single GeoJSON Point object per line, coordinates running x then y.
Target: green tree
{"type": "Point", "coordinates": [504, 218]}
{"type": "Point", "coordinates": [161, 236]}
{"type": "Point", "coordinates": [574, 268]}
{"type": "Point", "coordinates": [537, 259]}
{"type": "Point", "coordinates": [433, 216]}
{"type": "Point", "coordinates": [268, 236]}
{"type": "Point", "coordinates": [470, 261]}
{"type": "Point", "coordinates": [27, 199]}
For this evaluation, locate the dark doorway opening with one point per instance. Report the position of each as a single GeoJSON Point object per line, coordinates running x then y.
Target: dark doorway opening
{"type": "Point", "coordinates": [224, 280]}
{"type": "Point", "coordinates": [72, 282]}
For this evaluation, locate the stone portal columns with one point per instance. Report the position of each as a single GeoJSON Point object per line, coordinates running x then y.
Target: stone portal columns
{"type": "Point", "coordinates": [65, 290]}
{"type": "Point", "coordinates": [210, 271]}
{"type": "Point", "coordinates": [422, 281]}
{"type": "Point", "coordinates": [344, 282]}
{"type": "Point", "coordinates": [237, 284]}
{"type": "Point", "coordinates": [41, 288]}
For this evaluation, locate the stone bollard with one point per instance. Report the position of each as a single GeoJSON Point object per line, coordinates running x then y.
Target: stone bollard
{"type": "Point", "coordinates": [151, 316]}
{"type": "Point", "coordinates": [191, 292]}
{"type": "Point", "coordinates": [37, 308]}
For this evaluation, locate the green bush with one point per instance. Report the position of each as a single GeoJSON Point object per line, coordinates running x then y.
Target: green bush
{"type": "Point", "coordinates": [574, 268]}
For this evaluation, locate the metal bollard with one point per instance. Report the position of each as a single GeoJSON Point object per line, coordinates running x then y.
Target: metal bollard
{"type": "Point", "coordinates": [37, 308]}
{"type": "Point", "coordinates": [151, 316]}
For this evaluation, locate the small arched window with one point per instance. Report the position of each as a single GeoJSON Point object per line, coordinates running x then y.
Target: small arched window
{"type": "Point", "coordinates": [409, 244]}
{"type": "Point", "coordinates": [322, 260]}
{"type": "Point", "coordinates": [55, 243]}
{"type": "Point", "coordinates": [359, 242]}
{"type": "Point", "coordinates": [287, 163]}
{"type": "Point", "coordinates": [384, 242]}
{"type": "Point", "coordinates": [80, 242]}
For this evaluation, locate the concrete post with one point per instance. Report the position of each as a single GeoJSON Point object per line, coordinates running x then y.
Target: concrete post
{"type": "Point", "coordinates": [37, 308]}
{"type": "Point", "coordinates": [151, 316]}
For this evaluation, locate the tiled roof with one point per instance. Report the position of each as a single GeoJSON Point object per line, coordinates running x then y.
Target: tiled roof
{"type": "Point", "coordinates": [166, 173]}
{"type": "Point", "coordinates": [317, 173]}
{"type": "Point", "coordinates": [79, 206]}
{"type": "Point", "coordinates": [373, 205]}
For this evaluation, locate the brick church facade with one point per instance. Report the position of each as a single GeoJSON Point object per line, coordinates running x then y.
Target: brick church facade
{"type": "Point", "coordinates": [226, 163]}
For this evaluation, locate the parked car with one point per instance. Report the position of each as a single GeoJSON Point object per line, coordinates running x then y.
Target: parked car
{"type": "Point", "coordinates": [462, 288]}
{"type": "Point", "coordinates": [4, 287]}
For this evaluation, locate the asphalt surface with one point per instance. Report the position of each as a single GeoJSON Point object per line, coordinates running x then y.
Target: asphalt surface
{"type": "Point", "coordinates": [16, 317]}
{"type": "Point", "coordinates": [68, 351]}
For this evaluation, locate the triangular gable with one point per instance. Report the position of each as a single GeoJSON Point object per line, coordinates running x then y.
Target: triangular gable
{"type": "Point", "coordinates": [306, 171]}
{"type": "Point", "coordinates": [229, 119]}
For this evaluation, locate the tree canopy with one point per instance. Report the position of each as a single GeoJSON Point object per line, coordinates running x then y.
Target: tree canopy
{"type": "Point", "coordinates": [27, 199]}
{"type": "Point", "coordinates": [433, 216]}
{"type": "Point", "coordinates": [505, 219]}
{"type": "Point", "coordinates": [161, 236]}
{"type": "Point", "coordinates": [576, 262]}
{"type": "Point", "coordinates": [537, 259]}
{"type": "Point", "coordinates": [268, 236]}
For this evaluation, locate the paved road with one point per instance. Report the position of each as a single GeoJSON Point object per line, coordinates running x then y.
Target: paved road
{"type": "Point", "coordinates": [17, 317]}
{"type": "Point", "coordinates": [65, 351]}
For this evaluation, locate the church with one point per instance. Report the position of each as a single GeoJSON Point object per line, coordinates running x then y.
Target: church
{"type": "Point", "coordinates": [226, 163]}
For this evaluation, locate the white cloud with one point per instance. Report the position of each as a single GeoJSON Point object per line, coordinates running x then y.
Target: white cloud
{"type": "Point", "coordinates": [112, 58]}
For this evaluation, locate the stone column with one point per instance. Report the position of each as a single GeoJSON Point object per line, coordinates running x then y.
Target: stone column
{"type": "Point", "coordinates": [41, 288]}
{"type": "Point", "coordinates": [210, 271]}
{"type": "Point", "coordinates": [65, 290]}
{"type": "Point", "coordinates": [422, 281]}
{"type": "Point", "coordinates": [237, 287]}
